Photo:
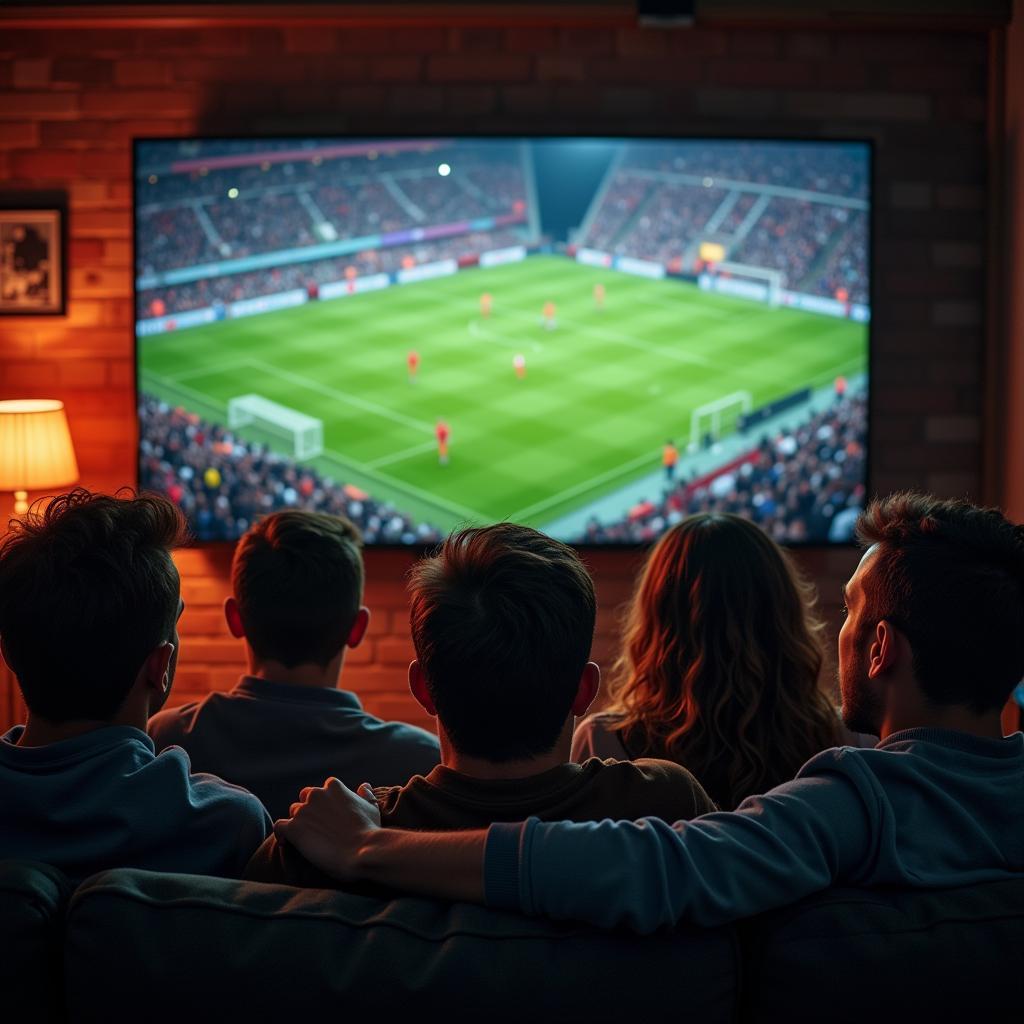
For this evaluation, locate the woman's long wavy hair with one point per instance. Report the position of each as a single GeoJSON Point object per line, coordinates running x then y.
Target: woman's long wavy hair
{"type": "Point", "coordinates": [720, 660]}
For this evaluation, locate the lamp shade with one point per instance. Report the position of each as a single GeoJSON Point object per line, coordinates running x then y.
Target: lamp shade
{"type": "Point", "coordinates": [35, 445]}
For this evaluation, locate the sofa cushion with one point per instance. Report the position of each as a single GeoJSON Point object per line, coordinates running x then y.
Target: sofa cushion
{"type": "Point", "coordinates": [33, 900]}
{"type": "Point", "coordinates": [886, 954]}
{"type": "Point", "coordinates": [184, 944]}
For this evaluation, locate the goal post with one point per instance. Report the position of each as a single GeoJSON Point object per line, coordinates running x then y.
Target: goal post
{"type": "Point", "coordinates": [708, 418]}
{"type": "Point", "coordinates": [305, 434]}
{"type": "Point", "coordinates": [760, 283]}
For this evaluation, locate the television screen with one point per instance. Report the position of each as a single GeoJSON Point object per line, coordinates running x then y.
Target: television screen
{"type": "Point", "coordinates": [596, 337]}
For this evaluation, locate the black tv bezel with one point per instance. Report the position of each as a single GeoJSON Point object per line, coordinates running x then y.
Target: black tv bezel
{"type": "Point", "coordinates": [625, 546]}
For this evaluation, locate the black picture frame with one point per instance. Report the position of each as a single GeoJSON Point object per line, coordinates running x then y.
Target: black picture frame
{"type": "Point", "coordinates": [33, 256]}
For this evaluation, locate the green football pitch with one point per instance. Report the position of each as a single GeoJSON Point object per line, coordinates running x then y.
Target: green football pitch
{"type": "Point", "coordinates": [602, 393]}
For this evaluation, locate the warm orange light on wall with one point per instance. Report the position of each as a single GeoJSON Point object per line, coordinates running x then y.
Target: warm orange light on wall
{"type": "Point", "coordinates": [35, 448]}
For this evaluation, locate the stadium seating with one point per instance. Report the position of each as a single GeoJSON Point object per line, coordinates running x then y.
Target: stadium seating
{"type": "Point", "coordinates": [796, 484]}
{"type": "Point", "coordinates": [210, 214]}
{"type": "Point", "coordinates": [223, 483]}
{"type": "Point", "coordinates": [191, 947]}
{"type": "Point", "coordinates": [661, 203]}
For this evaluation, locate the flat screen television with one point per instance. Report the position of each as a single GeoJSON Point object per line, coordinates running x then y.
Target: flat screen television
{"type": "Point", "coordinates": [595, 337]}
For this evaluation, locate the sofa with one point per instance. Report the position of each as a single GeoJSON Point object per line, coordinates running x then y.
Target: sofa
{"type": "Point", "coordinates": [163, 947]}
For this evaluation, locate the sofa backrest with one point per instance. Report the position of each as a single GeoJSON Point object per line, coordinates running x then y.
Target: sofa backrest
{"type": "Point", "coordinates": [182, 945]}
{"type": "Point", "coordinates": [889, 954]}
{"type": "Point", "coordinates": [33, 901]}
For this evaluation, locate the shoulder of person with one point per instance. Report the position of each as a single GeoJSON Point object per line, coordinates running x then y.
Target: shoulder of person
{"type": "Point", "coordinates": [206, 791]}
{"type": "Point", "coordinates": [170, 723]}
{"type": "Point", "coordinates": [663, 788]}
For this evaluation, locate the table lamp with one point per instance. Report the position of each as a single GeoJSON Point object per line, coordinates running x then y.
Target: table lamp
{"type": "Point", "coordinates": [35, 448]}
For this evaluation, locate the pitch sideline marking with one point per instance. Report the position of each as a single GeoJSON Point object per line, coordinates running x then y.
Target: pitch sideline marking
{"type": "Point", "coordinates": [341, 396]}
{"type": "Point", "coordinates": [406, 453]}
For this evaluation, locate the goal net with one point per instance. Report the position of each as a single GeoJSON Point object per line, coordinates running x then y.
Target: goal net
{"type": "Point", "coordinates": [304, 434]}
{"type": "Point", "coordinates": [758, 283]}
{"type": "Point", "coordinates": [723, 413]}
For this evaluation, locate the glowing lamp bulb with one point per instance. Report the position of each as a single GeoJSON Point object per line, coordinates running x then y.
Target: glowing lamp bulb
{"type": "Point", "coordinates": [444, 170]}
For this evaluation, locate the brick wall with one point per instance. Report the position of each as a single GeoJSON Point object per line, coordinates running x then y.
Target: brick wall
{"type": "Point", "coordinates": [71, 100]}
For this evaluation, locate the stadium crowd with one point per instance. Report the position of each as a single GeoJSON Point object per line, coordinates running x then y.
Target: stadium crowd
{"type": "Point", "coordinates": [223, 483]}
{"type": "Point", "coordinates": [268, 206]}
{"type": "Point", "coordinates": [799, 485]}
{"type": "Point", "coordinates": [819, 247]}
{"type": "Point", "coordinates": [310, 275]}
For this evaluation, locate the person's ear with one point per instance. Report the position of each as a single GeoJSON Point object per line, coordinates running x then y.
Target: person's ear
{"type": "Point", "coordinates": [590, 683]}
{"type": "Point", "coordinates": [884, 652]}
{"type": "Point", "coordinates": [359, 627]}
{"type": "Point", "coordinates": [419, 689]}
{"type": "Point", "coordinates": [156, 669]}
{"type": "Point", "coordinates": [233, 617]}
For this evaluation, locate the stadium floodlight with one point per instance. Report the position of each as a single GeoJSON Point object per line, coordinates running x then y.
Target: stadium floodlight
{"type": "Point", "coordinates": [710, 415]}
{"type": "Point", "coordinates": [305, 434]}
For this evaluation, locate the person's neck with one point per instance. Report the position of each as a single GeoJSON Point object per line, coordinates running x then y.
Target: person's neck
{"type": "Point", "coordinates": [307, 674]}
{"type": "Point", "coordinates": [958, 719]}
{"type": "Point", "coordinates": [40, 732]}
{"type": "Point", "coordinates": [479, 768]}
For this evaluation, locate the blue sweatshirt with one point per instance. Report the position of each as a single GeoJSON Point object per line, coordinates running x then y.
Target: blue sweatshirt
{"type": "Point", "coordinates": [105, 799]}
{"type": "Point", "coordinates": [928, 808]}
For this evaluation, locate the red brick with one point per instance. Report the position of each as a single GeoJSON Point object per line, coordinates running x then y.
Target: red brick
{"type": "Point", "coordinates": [395, 651]}
{"type": "Point", "coordinates": [34, 374]}
{"type": "Point", "coordinates": [31, 74]}
{"type": "Point", "coordinates": [97, 282]}
{"type": "Point", "coordinates": [761, 74]}
{"type": "Point", "coordinates": [309, 39]}
{"type": "Point", "coordinates": [121, 374]}
{"type": "Point", "coordinates": [117, 253]}
{"type": "Point", "coordinates": [646, 43]}
{"type": "Point", "coordinates": [698, 42]}
{"type": "Point", "coordinates": [844, 74]}
{"type": "Point", "coordinates": [417, 99]}
{"type": "Point", "coordinates": [956, 254]}
{"type": "Point", "coordinates": [16, 106]}
{"type": "Point", "coordinates": [77, 134]}
{"type": "Point", "coordinates": [636, 70]}
{"type": "Point", "coordinates": [361, 655]}
{"type": "Point", "coordinates": [18, 134]}
{"type": "Point", "coordinates": [960, 197]}
{"type": "Point", "coordinates": [531, 39]}
{"type": "Point", "coordinates": [376, 679]}
{"type": "Point", "coordinates": [938, 77]}
{"type": "Point", "coordinates": [116, 103]}
{"type": "Point", "coordinates": [397, 68]}
{"type": "Point", "coordinates": [102, 224]}
{"type": "Point", "coordinates": [507, 67]}
{"type": "Point", "coordinates": [956, 314]}
{"type": "Point", "coordinates": [952, 428]}
{"type": "Point", "coordinates": [754, 43]}
{"type": "Point", "coordinates": [85, 250]}
{"type": "Point", "coordinates": [530, 99]}
{"type": "Point", "coordinates": [82, 373]}
{"type": "Point", "coordinates": [142, 72]}
{"type": "Point", "coordinates": [476, 40]}
{"type": "Point", "coordinates": [739, 103]}
{"type": "Point", "coordinates": [83, 71]}
{"type": "Point", "coordinates": [268, 41]}
{"type": "Point", "coordinates": [559, 68]}
{"type": "Point", "coordinates": [107, 163]}
{"type": "Point", "coordinates": [42, 163]}
{"type": "Point", "coordinates": [808, 45]}
{"type": "Point", "coordinates": [203, 622]}
{"type": "Point", "coordinates": [586, 42]}
{"type": "Point", "coordinates": [471, 100]}
{"type": "Point", "coordinates": [216, 651]}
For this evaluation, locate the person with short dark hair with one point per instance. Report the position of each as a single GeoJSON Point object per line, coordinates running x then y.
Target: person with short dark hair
{"type": "Point", "coordinates": [502, 622]}
{"type": "Point", "coordinates": [932, 647]}
{"type": "Point", "coordinates": [89, 604]}
{"type": "Point", "coordinates": [297, 589]}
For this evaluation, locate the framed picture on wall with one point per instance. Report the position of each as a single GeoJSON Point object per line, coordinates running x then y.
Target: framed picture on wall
{"type": "Point", "coordinates": [32, 266]}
